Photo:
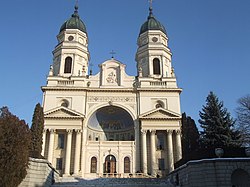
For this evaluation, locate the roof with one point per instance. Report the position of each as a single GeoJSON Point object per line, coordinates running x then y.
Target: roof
{"type": "Point", "coordinates": [74, 22]}
{"type": "Point", "coordinates": [152, 24]}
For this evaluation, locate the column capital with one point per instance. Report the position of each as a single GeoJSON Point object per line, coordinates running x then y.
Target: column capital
{"type": "Point", "coordinates": [69, 131]}
{"type": "Point", "coordinates": [153, 132]}
{"type": "Point", "coordinates": [169, 132]}
{"type": "Point", "coordinates": [178, 132]}
{"type": "Point", "coordinates": [143, 131]}
{"type": "Point", "coordinates": [78, 131]}
{"type": "Point", "coordinates": [52, 131]}
{"type": "Point", "coordinates": [45, 130]}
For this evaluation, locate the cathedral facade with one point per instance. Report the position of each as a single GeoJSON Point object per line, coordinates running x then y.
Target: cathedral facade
{"type": "Point", "coordinates": [112, 124]}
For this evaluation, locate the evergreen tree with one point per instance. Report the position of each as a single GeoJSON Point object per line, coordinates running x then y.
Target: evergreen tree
{"type": "Point", "coordinates": [14, 149]}
{"type": "Point", "coordinates": [37, 132]}
{"type": "Point", "coordinates": [217, 124]}
{"type": "Point", "coordinates": [190, 135]}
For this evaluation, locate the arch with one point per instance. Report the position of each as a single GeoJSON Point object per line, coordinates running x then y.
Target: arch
{"type": "Point", "coordinates": [68, 65]}
{"type": "Point", "coordinates": [93, 165]}
{"type": "Point", "coordinates": [98, 106]}
{"type": "Point", "coordinates": [111, 123]}
{"type": "Point", "coordinates": [110, 164]}
{"type": "Point", "coordinates": [126, 164]}
{"type": "Point", "coordinates": [156, 66]}
{"type": "Point", "coordinates": [240, 177]}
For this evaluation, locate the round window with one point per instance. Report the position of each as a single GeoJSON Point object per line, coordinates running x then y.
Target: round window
{"type": "Point", "coordinates": [65, 103]}
{"type": "Point", "coordinates": [70, 38]}
{"type": "Point", "coordinates": [154, 39]}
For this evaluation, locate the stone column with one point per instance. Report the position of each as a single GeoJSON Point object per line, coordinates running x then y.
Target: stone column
{"type": "Point", "coordinates": [153, 161]}
{"type": "Point", "coordinates": [178, 145]}
{"type": "Point", "coordinates": [144, 151]}
{"type": "Point", "coordinates": [170, 151]}
{"type": "Point", "coordinates": [51, 145]}
{"type": "Point", "coordinates": [84, 150]}
{"type": "Point", "coordinates": [68, 152]}
{"type": "Point", "coordinates": [44, 141]}
{"type": "Point", "coordinates": [77, 151]}
{"type": "Point", "coordinates": [137, 147]}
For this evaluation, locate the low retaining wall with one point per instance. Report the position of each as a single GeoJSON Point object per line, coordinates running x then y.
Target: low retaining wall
{"type": "Point", "coordinates": [219, 172]}
{"type": "Point", "coordinates": [39, 174]}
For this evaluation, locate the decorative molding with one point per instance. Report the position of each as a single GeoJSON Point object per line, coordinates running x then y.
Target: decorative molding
{"type": "Point", "coordinates": [108, 98]}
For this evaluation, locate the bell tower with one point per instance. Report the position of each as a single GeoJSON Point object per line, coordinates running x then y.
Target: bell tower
{"type": "Point", "coordinates": [153, 56]}
{"type": "Point", "coordinates": [71, 55]}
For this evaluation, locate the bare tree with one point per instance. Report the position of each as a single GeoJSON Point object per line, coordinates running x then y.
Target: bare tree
{"type": "Point", "coordinates": [243, 118]}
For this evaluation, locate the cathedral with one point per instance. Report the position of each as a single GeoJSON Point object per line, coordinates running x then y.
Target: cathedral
{"type": "Point", "coordinates": [112, 124]}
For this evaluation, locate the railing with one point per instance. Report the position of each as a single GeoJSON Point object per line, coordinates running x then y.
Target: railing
{"type": "Point", "coordinates": [123, 175]}
{"type": "Point", "coordinates": [158, 83]}
{"type": "Point", "coordinates": [65, 83]}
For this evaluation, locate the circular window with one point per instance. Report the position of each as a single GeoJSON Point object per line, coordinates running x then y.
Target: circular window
{"type": "Point", "coordinates": [154, 39]}
{"type": "Point", "coordinates": [70, 38]}
{"type": "Point", "coordinates": [158, 105]}
{"type": "Point", "coordinates": [65, 103]}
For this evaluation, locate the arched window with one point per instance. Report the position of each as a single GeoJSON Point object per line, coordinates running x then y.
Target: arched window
{"type": "Point", "coordinates": [68, 65]}
{"type": "Point", "coordinates": [126, 165]}
{"type": "Point", "coordinates": [156, 66]}
{"type": "Point", "coordinates": [93, 167]}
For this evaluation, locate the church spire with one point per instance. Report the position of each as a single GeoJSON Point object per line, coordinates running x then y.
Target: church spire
{"type": "Point", "coordinates": [150, 9]}
{"type": "Point", "coordinates": [76, 10]}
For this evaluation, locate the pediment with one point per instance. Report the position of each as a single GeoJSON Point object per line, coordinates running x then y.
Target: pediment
{"type": "Point", "coordinates": [160, 114]}
{"type": "Point", "coordinates": [62, 112]}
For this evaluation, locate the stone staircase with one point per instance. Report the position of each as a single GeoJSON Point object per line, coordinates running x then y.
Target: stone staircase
{"type": "Point", "coordinates": [112, 182]}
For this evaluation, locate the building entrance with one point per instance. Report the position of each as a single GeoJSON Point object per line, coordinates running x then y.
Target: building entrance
{"type": "Point", "coordinates": [110, 164]}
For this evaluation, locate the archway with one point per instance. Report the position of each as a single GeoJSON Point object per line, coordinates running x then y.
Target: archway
{"type": "Point", "coordinates": [111, 123]}
{"type": "Point", "coordinates": [240, 178]}
{"type": "Point", "coordinates": [110, 164]}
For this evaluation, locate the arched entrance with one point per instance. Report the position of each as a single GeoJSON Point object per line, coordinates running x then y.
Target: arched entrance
{"type": "Point", "coordinates": [240, 178]}
{"type": "Point", "coordinates": [110, 164]}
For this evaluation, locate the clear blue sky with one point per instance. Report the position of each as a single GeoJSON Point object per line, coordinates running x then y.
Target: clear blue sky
{"type": "Point", "coordinates": [209, 39]}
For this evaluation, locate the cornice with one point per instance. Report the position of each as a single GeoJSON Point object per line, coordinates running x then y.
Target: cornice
{"type": "Point", "coordinates": [65, 118]}
{"type": "Point", "coordinates": [133, 90]}
{"type": "Point", "coordinates": [59, 88]}
{"type": "Point", "coordinates": [161, 119]}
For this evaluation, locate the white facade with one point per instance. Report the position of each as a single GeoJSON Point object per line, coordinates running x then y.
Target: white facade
{"type": "Point", "coordinates": [111, 123]}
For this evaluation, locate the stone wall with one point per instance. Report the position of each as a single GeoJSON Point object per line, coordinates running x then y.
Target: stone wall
{"type": "Point", "coordinates": [219, 172]}
{"type": "Point", "coordinates": [39, 174]}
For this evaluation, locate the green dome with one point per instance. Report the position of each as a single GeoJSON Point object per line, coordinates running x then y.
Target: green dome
{"type": "Point", "coordinates": [74, 22]}
{"type": "Point", "coordinates": [152, 24]}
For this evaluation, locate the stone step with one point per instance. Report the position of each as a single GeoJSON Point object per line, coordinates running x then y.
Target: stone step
{"type": "Point", "coordinates": [112, 182]}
